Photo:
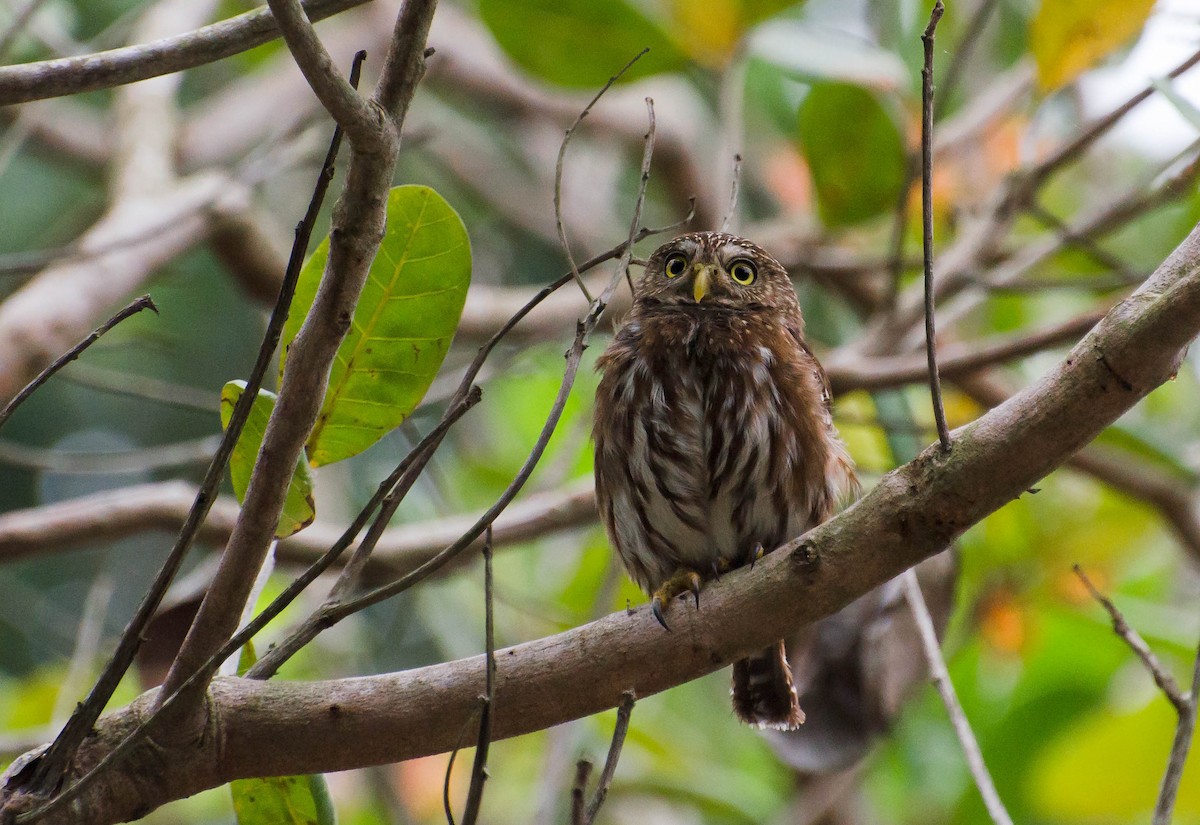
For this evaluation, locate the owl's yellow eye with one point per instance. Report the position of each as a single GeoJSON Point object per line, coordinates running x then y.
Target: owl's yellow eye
{"type": "Point", "coordinates": [676, 265]}
{"type": "Point", "coordinates": [743, 271]}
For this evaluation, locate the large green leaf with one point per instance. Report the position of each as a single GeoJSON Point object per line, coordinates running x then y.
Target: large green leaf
{"type": "Point", "coordinates": [299, 508]}
{"type": "Point", "coordinates": [1122, 754]}
{"type": "Point", "coordinates": [282, 800]}
{"type": "Point", "coordinates": [579, 43]}
{"type": "Point", "coordinates": [854, 150]}
{"type": "Point", "coordinates": [402, 327]}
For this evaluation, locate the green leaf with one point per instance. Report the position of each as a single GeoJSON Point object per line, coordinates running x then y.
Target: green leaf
{"type": "Point", "coordinates": [402, 326]}
{"type": "Point", "coordinates": [579, 43]}
{"type": "Point", "coordinates": [283, 800]}
{"type": "Point", "coordinates": [854, 150]}
{"type": "Point", "coordinates": [299, 509]}
{"type": "Point", "coordinates": [1068, 37]}
{"type": "Point", "coordinates": [1122, 755]}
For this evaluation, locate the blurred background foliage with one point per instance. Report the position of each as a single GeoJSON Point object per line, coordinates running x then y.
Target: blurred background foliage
{"type": "Point", "coordinates": [823, 99]}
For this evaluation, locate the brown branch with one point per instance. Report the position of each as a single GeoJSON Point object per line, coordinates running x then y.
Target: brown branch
{"type": "Point", "coordinates": [296, 727]}
{"type": "Point", "coordinates": [850, 372]}
{"type": "Point", "coordinates": [1173, 497]}
{"type": "Point", "coordinates": [558, 173]}
{"type": "Point", "coordinates": [1165, 681]}
{"type": "Point", "coordinates": [336, 94]}
{"type": "Point", "coordinates": [945, 688]}
{"type": "Point", "coordinates": [935, 381]}
{"type": "Point", "coordinates": [1179, 751]}
{"type": "Point", "coordinates": [624, 712]}
{"type": "Point", "coordinates": [358, 227]}
{"type": "Point", "coordinates": [90, 72]}
{"type": "Point", "coordinates": [134, 307]}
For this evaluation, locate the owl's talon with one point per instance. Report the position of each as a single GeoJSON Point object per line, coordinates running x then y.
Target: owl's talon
{"type": "Point", "coordinates": [756, 554]}
{"type": "Point", "coordinates": [656, 607]}
{"type": "Point", "coordinates": [684, 581]}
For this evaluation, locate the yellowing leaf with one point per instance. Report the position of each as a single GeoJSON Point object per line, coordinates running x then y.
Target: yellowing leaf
{"type": "Point", "coordinates": [402, 327]}
{"type": "Point", "coordinates": [1068, 37]}
{"type": "Point", "coordinates": [299, 509]}
{"type": "Point", "coordinates": [709, 30]}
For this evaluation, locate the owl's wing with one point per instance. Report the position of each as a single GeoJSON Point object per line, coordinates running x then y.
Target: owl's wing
{"type": "Point", "coordinates": [843, 480]}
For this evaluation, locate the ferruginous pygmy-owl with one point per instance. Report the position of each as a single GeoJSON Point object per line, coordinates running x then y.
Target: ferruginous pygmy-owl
{"type": "Point", "coordinates": [714, 439]}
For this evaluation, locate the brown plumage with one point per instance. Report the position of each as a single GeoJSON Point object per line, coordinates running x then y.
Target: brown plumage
{"type": "Point", "coordinates": [713, 435]}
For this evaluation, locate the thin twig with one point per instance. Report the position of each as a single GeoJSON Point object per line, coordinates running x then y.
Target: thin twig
{"type": "Point", "coordinates": [1077, 146]}
{"type": "Point", "coordinates": [462, 740]}
{"type": "Point", "coordinates": [941, 680]}
{"type": "Point", "coordinates": [134, 307]}
{"type": "Point", "coordinates": [935, 381]}
{"type": "Point", "coordinates": [17, 25]}
{"type": "Point", "coordinates": [558, 174]}
{"type": "Point", "coordinates": [479, 772]}
{"type": "Point", "coordinates": [734, 183]}
{"type": "Point", "coordinates": [1179, 752]}
{"type": "Point", "coordinates": [624, 711]}
{"type": "Point", "coordinates": [1165, 681]}
{"type": "Point", "coordinates": [53, 764]}
{"type": "Point", "coordinates": [583, 770]}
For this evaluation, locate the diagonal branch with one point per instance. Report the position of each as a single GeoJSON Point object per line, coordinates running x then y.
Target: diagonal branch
{"type": "Point", "coordinates": [271, 728]}
{"type": "Point", "coordinates": [90, 72]}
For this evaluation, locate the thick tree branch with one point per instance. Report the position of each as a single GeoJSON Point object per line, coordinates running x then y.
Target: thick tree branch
{"type": "Point", "coordinates": [262, 728]}
{"type": "Point", "coordinates": [358, 226]}
{"type": "Point", "coordinates": [89, 72]}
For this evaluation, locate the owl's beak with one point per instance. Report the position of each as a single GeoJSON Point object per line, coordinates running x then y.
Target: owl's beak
{"type": "Point", "coordinates": [703, 281]}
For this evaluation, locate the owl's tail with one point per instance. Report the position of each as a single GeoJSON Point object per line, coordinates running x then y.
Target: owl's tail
{"type": "Point", "coordinates": [763, 693]}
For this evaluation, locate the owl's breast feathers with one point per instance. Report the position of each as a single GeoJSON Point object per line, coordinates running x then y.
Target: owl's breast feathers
{"type": "Point", "coordinates": [713, 434]}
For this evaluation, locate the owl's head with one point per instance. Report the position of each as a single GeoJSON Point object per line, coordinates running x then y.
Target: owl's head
{"type": "Point", "coordinates": [712, 269]}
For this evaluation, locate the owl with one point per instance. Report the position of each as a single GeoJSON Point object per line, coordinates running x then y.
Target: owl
{"type": "Point", "coordinates": [713, 435]}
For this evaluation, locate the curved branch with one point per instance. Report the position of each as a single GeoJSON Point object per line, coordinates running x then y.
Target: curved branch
{"type": "Point", "coordinates": [103, 70]}
{"type": "Point", "coordinates": [303, 727]}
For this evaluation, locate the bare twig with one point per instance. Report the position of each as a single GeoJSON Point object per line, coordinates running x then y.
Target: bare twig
{"type": "Point", "coordinates": [90, 72]}
{"type": "Point", "coordinates": [945, 688]}
{"type": "Point", "coordinates": [734, 183]}
{"type": "Point", "coordinates": [335, 92]}
{"type": "Point", "coordinates": [583, 770]}
{"type": "Point", "coordinates": [462, 740]}
{"type": "Point", "coordinates": [935, 381]}
{"type": "Point", "coordinates": [479, 772]}
{"type": "Point", "coordinates": [182, 453]}
{"type": "Point", "coordinates": [17, 25]}
{"type": "Point", "coordinates": [1165, 681]}
{"type": "Point", "coordinates": [1179, 752]}
{"type": "Point", "coordinates": [851, 373]}
{"type": "Point", "coordinates": [136, 306]}
{"type": "Point", "coordinates": [558, 174]}
{"type": "Point", "coordinates": [1081, 142]}
{"type": "Point", "coordinates": [624, 711]}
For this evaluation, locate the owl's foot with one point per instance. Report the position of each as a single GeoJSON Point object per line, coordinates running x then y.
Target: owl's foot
{"type": "Point", "coordinates": [685, 580]}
